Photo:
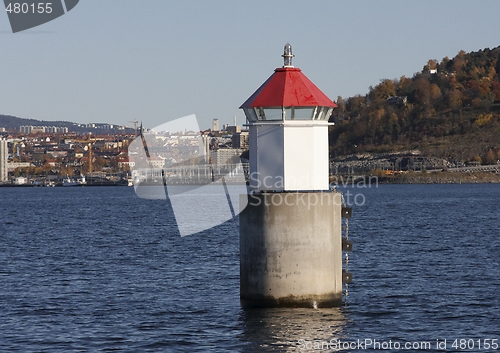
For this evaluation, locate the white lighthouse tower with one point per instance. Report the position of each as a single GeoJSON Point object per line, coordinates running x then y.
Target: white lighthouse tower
{"type": "Point", "coordinates": [288, 123]}
{"type": "Point", "coordinates": [290, 232]}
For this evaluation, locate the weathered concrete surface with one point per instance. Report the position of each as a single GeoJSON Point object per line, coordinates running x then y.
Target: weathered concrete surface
{"type": "Point", "coordinates": [291, 250]}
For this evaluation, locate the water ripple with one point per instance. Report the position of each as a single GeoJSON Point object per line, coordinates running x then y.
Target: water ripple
{"type": "Point", "coordinates": [98, 269]}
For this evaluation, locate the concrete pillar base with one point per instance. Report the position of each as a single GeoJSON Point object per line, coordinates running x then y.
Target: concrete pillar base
{"type": "Point", "coordinates": [291, 250]}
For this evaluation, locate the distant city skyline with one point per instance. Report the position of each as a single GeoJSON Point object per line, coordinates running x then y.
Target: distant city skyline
{"type": "Point", "coordinates": [116, 61]}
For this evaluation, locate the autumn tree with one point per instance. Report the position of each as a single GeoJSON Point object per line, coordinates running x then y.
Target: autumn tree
{"type": "Point", "coordinates": [435, 105]}
{"type": "Point", "coordinates": [490, 157]}
{"type": "Point", "coordinates": [381, 92]}
{"type": "Point", "coordinates": [455, 99]}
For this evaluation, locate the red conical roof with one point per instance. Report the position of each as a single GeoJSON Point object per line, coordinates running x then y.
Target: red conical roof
{"type": "Point", "coordinates": [288, 87]}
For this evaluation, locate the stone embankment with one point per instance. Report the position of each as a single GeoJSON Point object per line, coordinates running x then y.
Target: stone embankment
{"type": "Point", "coordinates": [410, 167]}
{"type": "Point", "coordinates": [397, 161]}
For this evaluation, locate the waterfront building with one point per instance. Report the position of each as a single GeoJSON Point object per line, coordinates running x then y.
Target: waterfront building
{"type": "Point", "coordinates": [4, 157]}
{"type": "Point", "coordinates": [30, 129]}
{"type": "Point", "coordinates": [233, 129]}
{"type": "Point", "coordinates": [225, 155]}
{"type": "Point", "coordinates": [21, 181]}
{"type": "Point", "coordinates": [215, 125]}
{"type": "Point", "coordinates": [240, 140]}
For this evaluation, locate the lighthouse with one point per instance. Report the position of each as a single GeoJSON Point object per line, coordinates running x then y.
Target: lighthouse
{"type": "Point", "coordinates": [291, 229]}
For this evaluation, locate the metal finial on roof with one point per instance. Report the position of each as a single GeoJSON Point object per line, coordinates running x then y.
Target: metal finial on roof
{"type": "Point", "coordinates": [287, 55]}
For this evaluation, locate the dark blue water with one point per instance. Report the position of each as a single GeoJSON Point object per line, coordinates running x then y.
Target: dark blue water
{"type": "Point", "coordinates": [99, 269]}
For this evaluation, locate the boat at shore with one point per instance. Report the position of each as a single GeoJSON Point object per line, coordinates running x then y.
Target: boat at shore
{"type": "Point", "coordinates": [74, 182]}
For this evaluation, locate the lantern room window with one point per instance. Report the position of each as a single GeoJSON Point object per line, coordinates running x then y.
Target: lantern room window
{"type": "Point", "coordinates": [303, 113]}
{"type": "Point", "coordinates": [250, 114]}
{"type": "Point", "coordinates": [288, 113]}
{"type": "Point", "coordinates": [323, 113]}
{"type": "Point", "coordinates": [272, 114]}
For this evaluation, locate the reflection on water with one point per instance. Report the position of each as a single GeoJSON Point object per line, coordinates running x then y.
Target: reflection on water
{"type": "Point", "coordinates": [289, 330]}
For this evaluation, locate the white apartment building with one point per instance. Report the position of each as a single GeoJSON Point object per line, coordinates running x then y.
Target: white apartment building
{"type": "Point", "coordinates": [224, 155]}
{"type": "Point", "coordinates": [4, 158]}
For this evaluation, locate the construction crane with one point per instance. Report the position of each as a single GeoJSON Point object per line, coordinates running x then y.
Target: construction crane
{"type": "Point", "coordinates": [89, 145]}
{"type": "Point", "coordinates": [135, 125]}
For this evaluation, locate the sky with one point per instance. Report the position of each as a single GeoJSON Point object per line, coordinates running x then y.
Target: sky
{"type": "Point", "coordinates": [114, 61]}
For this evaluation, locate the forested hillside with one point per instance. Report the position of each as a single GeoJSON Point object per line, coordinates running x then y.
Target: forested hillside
{"type": "Point", "coordinates": [450, 109]}
{"type": "Point", "coordinates": [12, 123]}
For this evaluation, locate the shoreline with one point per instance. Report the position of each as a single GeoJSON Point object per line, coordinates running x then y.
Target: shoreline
{"type": "Point", "coordinates": [56, 186]}
{"type": "Point", "coordinates": [424, 178]}
{"type": "Point", "coordinates": [408, 178]}
{"type": "Point", "coordinates": [443, 178]}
